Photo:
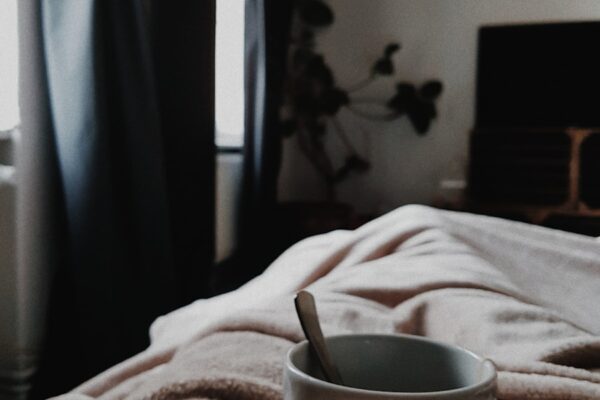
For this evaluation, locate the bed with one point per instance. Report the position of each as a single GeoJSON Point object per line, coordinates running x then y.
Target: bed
{"type": "Point", "coordinates": [524, 296]}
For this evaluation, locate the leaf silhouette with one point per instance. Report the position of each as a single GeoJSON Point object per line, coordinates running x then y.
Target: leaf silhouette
{"type": "Point", "coordinates": [316, 13]}
{"type": "Point", "coordinates": [431, 90]}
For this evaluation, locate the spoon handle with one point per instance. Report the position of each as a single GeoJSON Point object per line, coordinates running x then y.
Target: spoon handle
{"type": "Point", "coordinates": [309, 319]}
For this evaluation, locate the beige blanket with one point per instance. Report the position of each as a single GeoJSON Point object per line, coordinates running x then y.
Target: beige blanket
{"type": "Point", "coordinates": [524, 296]}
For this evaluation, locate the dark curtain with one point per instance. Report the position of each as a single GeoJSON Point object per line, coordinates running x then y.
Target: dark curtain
{"type": "Point", "coordinates": [129, 90]}
{"type": "Point", "coordinates": [267, 33]}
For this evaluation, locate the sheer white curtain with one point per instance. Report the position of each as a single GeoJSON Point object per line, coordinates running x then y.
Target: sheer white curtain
{"type": "Point", "coordinates": [10, 359]}
{"type": "Point", "coordinates": [9, 109]}
{"type": "Point", "coordinates": [9, 106]}
{"type": "Point", "coordinates": [229, 73]}
{"type": "Point", "coordinates": [25, 182]}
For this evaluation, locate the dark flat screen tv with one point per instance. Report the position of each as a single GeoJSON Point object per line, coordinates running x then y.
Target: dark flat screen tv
{"type": "Point", "coordinates": [539, 76]}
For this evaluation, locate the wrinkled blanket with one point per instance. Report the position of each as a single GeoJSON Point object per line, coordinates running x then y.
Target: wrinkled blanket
{"type": "Point", "coordinates": [524, 296]}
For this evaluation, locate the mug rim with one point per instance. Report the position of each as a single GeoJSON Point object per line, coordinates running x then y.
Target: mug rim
{"type": "Point", "coordinates": [471, 389]}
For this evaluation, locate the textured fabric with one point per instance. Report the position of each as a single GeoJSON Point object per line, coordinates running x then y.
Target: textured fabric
{"type": "Point", "coordinates": [524, 296]}
{"type": "Point", "coordinates": [126, 109]}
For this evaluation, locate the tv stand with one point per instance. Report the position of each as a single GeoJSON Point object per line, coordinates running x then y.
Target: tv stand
{"type": "Point", "coordinates": [537, 175]}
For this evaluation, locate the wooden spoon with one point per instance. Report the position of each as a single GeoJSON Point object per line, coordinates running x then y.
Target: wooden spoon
{"type": "Point", "coordinates": [309, 319]}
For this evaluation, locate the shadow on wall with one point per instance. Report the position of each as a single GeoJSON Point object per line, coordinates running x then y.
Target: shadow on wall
{"type": "Point", "coordinates": [439, 40]}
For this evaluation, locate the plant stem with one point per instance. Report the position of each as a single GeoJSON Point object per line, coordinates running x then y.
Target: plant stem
{"type": "Point", "coordinates": [320, 160]}
{"type": "Point", "coordinates": [316, 156]}
{"type": "Point", "coordinates": [372, 117]}
{"type": "Point", "coordinates": [342, 135]}
{"type": "Point", "coordinates": [366, 100]}
{"type": "Point", "coordinates": [362, 84]}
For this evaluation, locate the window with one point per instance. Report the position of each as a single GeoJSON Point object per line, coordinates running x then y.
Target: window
{"type": "Point", "coordinates": [229, 107]}
{"type": "Point", "coordinates": [9, 105]}
{"type": "Point", "coordinates": [229, 66]}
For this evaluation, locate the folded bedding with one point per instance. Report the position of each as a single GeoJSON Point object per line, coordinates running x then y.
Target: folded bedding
{"type": "Point", "coordinates": [523, 296]}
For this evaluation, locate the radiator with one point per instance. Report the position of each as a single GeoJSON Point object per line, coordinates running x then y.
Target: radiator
{"type": "Point", "coordinates": [15, 368]}
{"type": "Point", "coordinates": [22, 296]}
{"type": "Point", "coordinates": [229, 178]}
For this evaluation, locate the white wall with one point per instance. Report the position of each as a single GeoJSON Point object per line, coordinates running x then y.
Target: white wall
{"type": "Point", "coordinates": [439, 41]}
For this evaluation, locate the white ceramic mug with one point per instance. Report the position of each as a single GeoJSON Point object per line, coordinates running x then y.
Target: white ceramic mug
{"type": "Point", "coordinates": [399, 367]}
